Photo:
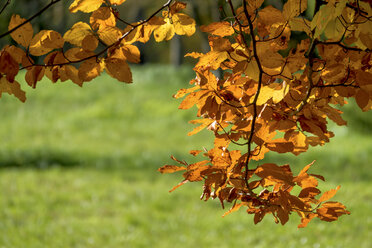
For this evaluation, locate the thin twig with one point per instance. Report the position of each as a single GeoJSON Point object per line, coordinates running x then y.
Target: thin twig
{"type": "Point", "coordinates": [31, 18]}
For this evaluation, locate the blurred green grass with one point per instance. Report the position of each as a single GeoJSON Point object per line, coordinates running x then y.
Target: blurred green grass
{"type": "Point", "coordinates": [78, 169]}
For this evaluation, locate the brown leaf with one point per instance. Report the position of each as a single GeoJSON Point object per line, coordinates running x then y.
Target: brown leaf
{"type": "Point", "coordinates": [8, 66]}
{"type": "Point", "coordinates": [362, 98]}
{"type": "Point", "coordinates": [12, 88]}
{"type": "Point", "coordinates": [35, 74]}
{"type": "Point", "coordinates": [275, 173]}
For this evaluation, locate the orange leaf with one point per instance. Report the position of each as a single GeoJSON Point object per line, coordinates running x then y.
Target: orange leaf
{"type": "Point", "coordinates": [170, 168]}
{"type": "Point", "coordinates": [275, 173]}
{"type": "Point", "coordinates": [306, 220]}
{"type": "Point", "coordinates": [329, 194]}
{"type": "Point", "coordinates": [234, 208]}
{"type": "Point", "coordinates": [178, 185]}
{"type": "Point", "coordinates": [119, 69]}
{"type": "Point", "coordinates": [89, 70]}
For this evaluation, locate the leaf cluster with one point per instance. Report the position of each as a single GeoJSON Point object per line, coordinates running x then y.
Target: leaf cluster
{"type": "Point", "coordinates": [275, 98]}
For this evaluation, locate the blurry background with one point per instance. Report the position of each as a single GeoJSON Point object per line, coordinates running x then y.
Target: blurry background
{"type": "Point", "coordinates": [78, 166]}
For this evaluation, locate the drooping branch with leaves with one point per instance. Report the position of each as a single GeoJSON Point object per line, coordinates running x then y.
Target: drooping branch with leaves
{"type": "Point", "coordinates": [276, 98]}
{"type": "Point", "coordinates": [273, 96]}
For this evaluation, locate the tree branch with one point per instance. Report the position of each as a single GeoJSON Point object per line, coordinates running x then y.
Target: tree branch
{"type": "Point", "coordinates": [31, 18]}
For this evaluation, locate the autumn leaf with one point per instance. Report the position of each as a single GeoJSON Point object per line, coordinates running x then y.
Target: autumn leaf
{"type": "Point", "coordinates": [23, 34]}
{"type": "Point", "coordinates": [89, 43]}
{"type": "Point", "coordinates": [8, 66]}
{"type": "Point", "coordinates": [89, 70]}
{"type": "Point", "coordinates": [165, 31]}
{"type": "Point", "coordinates": [293, 8]}
{"type": "Point", "coordinates": [117, 2]}
{"type": "Point", "coordinates": [34, 75]}
{"type": "Point", "coordinates": [183, 24]}
{"type": "Point", "coordinates": [45, 41]}
{"type": "Point", "coordinates": [86, 6]}
{"type": "Point", "coordinates": [109, 35]}
{"type": "Point", "coordinates": [328, 194]}
{"type": "Point", "coordinates": [221, 29]}
{"type": "Point", "coordinates": [119, 69]}
{"type": "Point", "coordinates": [12, 88]}
{"type": "Point", "coordinates": [275, 173]}
{"type": "Point", "coordinates": [102, 17]}
{"type": "Point", "coordinates": [170, 169]}
{"type": "Point", "coordinates": [77, 33]}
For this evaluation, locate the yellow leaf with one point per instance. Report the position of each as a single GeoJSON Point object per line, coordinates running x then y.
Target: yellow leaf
{"type": "Point", "coordinates": [334, 30]}
{"type": "Point", "coordinates": [293, 8]}
{"type": "Point", "coordinates": [13, 88]}
{"type": "Point", "coordinates": [77, 33]}
{"type": "Point", "coordinates": [117, 2]}
{"type": "Point", "coordinates": [86, 6]}
{"type": "Point", "coordinates": [165, 31]}
{"type": "Point", "coordinates": [45, 41]}
{"type": "Point", "coordinates": [183, 24]}
{"type": "Point", "coordinates": [212, 59]}
{"type": "Point", "coordinates": [119, 69]}
{"type": "Point", "coordinates": [109, 35]}
{"type": "Point", "coordinates": [252, 70]}
{"type": "Point", "coordinates": [23, 34]}
{"type": "Point", "coordinates": [321, 19]}
{"type": "Point", "coordinates": [221, 29]}
{"type": "Point", "coordinates": [300, 24]}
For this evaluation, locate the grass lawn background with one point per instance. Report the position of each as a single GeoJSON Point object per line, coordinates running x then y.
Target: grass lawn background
{"type": "Point", "coordinates": [78, 169]}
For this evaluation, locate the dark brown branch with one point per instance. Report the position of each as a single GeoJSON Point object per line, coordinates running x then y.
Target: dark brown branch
{"type": "Point", "coordinates": [31, 18]}
{"type": "Point", "coordinates": [116, 14]}
{"type": "Point", "coordinates": [254, 117]}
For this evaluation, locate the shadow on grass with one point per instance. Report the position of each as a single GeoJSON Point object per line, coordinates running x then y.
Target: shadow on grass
{"type": "Point", "coordinates": [37, 159]}
{"type": "Point", "coordinates": [135, 166]}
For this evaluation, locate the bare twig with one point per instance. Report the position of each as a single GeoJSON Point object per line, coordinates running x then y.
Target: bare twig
{"type": "Point", "coordinates": [31, 18]}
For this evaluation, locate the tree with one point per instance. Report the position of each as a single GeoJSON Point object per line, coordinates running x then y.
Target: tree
{"type": "Point", "coordinates": [276, 93]}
